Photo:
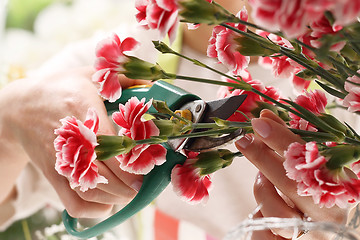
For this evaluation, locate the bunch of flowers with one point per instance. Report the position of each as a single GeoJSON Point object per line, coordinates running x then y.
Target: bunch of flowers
{"type": "Point", "coordinates": [309, 42]}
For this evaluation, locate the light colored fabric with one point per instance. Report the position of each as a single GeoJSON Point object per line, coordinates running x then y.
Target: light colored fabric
{"type": "Point", "coordinates": [33, 193]}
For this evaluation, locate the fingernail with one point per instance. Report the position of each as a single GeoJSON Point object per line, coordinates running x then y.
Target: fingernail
{"type": "Point", "coordinates": [261, 127]}
{"type": "Point", "coordinates": [244, 141]}
{"type": "Point", "coordinates": [136, 185]}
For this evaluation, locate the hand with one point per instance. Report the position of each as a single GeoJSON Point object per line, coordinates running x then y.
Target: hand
{"type": "Point", "coordinates": [265, 149]}
{"type": "Point", "coordinates": [31, 110]}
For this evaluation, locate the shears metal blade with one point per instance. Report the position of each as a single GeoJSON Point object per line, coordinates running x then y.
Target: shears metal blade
{"type": "Point", "coordinates": [205, 112]}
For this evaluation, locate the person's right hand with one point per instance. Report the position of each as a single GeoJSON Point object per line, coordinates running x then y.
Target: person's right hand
{"type": "Point", "coordinates": [31, 110]}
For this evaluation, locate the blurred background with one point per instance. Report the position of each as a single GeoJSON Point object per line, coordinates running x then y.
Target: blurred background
{"type": "Point", "coordinates": [31, 31]}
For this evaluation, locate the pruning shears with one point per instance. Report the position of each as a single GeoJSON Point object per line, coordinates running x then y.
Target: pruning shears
{"type": "Point", "coordinates": [158, 178]}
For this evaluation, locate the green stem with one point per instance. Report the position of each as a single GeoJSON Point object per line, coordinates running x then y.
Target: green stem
{"type": "Point", "coordinates": [239, 85]}
{"type": "Point", "coordinates": [353, 44]}
{"type": "Point", "coordinates": [352, 141]}
{"type": "Point", "coordinates": [209, 133]}
{"type": "Point", "coordinates": [26, 230]}
{"type": "Point", "coordinates": [330, 58]}
{"type": "Point", "coordinates": [286, 107]}
{"type": "Point", "coordinates": [312, 66]}
{"type": "Point", "coordinates": [238, 154]}
{"type": "Point", "coordinates": [198, 63]}
{"type": "Point", "coordinates": [289, 53]}
{"type": "Point", "coordinates": [263, 41]}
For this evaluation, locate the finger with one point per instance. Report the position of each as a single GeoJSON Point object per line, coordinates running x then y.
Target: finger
{"type": "Point", "coordinates": [271, 115]}
{"type": "Point", "coordinates": [272, 204]}
{"type": "Point", "coordinates": [115, 185]}
{"type": "Point", "coordinates": [74, 204]}
{"type": "Point", "coordinates": [97, 195]}
{"type": "Point", "coordinates": [264, 234]}
{"type": "Point", "coordinates": [131, 180]}
{"type": "Point", "coordinates": [275, 135]}
{"type": "Point", "coordinates": [267, 161]}
{"type": "Point", "coordinates": [127, 82]}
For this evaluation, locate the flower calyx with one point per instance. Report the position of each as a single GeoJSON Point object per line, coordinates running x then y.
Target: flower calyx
{"type": "Point", "coordinates": [211, 161]}
{"type": "Point", "coordinates": [203, 11]}
{"type": "Point", "coordinates": [136, 68]}
{"type": "Point", "coordinates": [111, 146]}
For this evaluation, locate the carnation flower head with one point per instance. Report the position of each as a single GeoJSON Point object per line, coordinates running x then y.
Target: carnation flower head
{"type": "Point", "coordinates": [159, 14]}
{"type": "Point", "coordinates": [305, 164]}
{"type": "Point", "coordinates": [75, 151]}
{"type": "Point", "coordinates": [143, 157]}
{"type": "Point", "coordinates": [290, 17]}
{"type": "Point", "coordinates": [315, 102]}
{"type": "Point", "coordinates": [352, 99]}
{"type": "Point", "coordinates": [223, 45]}
{"type": "Point", "coordinates": [281, 66]}
{"type": "Point", "coordinates": [323, 27]}
{"type": "Point", "coordinates": [188, 183]}
{"type": "Point", "coordinates": [110, 59]}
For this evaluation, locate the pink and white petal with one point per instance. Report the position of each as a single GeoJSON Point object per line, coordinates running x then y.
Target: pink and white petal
{"type": "Point", "coordinates": [109, 48]}
{"type": "Point", "coordinates": [167, 5]}
{"type": "Point", "coordinates": [92, 120]}
{"type": "Point", "coordinates": [110, 88]}
{"type": "Point", "coordinates": [129, 44]}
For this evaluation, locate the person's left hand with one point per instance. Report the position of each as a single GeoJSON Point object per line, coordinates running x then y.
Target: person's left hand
{"type": "Point", "coordinates": [276, 193]}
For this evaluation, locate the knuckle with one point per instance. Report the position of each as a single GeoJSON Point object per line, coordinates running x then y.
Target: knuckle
{"type": "Point", "coordinates": [259, 188]}
{"type": "Point", "coordinates": [90, 196]}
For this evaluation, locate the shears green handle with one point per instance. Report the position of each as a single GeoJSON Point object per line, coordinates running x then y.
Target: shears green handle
{"type": "Point", "coordinates": [155, 181]}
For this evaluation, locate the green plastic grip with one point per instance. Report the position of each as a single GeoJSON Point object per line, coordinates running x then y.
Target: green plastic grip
{"type": "Point", "coordinates": [158, 178]}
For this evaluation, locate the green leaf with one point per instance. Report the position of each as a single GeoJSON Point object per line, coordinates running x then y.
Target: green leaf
{"type": "Point", "coordinates": [331, 90]}
{"type": "Point", "coordinates": [316, 121]}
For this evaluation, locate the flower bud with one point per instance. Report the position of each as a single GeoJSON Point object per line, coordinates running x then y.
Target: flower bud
{"type": "Point", "coordinates": [169, 127]}
{"type": "Point", "coordinates": [201, 11]}
{"type": "Point", "coordinates": [341, 155]}
{"type": "Point", "coordinates": [251, 47]}
{"type": "Point", "coordinates": [212, 161]}
{"type": "Point", "coordinates": [136, 68]}
{"type": "Point", "coordinates": [162, 47]}
{"type": "Point", "coordinates": [110, 146]}
{"type": "Point", "coordinates": [306, 74]}
{"type": "Point", "coordinates": [162, 107]}
{"type": "Point", "coordinates": [334, 122]}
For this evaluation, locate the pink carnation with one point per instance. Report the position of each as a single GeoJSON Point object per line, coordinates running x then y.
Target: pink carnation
{"type": "Point", "coordinates": [323, 27]}
{"type": "Point", "coordinates": [290, 17]}
{"type": "Point", "coordinates": [352, 99]}
{"type": "Point", "coordinates": [142, 158]}
{"type": "Point", "coordinates": [281, 66]}
{"type": "Point", "coordinates": [315, 102]}
{"type": "Point", "coordinates": [158, 14]}
{"type": "Point", "coordinates": [345, 11]}
{"type": "Point", "coordinates": [75, 151]}
{"type": "Point", "coordinates": [305, 165]}
{"type": "Point", "coordinates": [109, 63]}
{"type": "Point", "coordinates": [188, 183]}
{"type": "Point", "coordinates": [223, 46]}
{"type": "Point", "coordinates": [299, 83]}
{"type": "Point", "coordinates": [252, 99]}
